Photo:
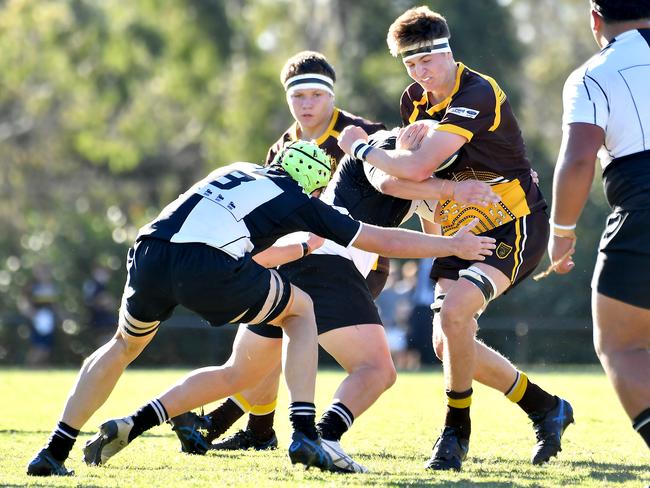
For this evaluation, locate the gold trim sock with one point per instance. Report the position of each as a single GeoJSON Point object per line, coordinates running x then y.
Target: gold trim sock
{"type": "Point", "coordinates": [458, 417]}
{"type": "Point", "coordinates": [531, 398]}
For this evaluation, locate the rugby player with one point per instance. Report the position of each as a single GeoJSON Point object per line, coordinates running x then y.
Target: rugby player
{"type": "Point", "coordinates": [475, 135]}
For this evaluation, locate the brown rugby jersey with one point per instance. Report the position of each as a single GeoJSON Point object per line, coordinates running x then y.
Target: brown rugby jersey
{"type": "Point", "coordinates": [479, 110]}
{"type": "Point", "coordinates": [328, 141]}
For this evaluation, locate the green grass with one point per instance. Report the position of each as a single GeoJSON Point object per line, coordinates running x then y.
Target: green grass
{"type": "Point", "coordinates": [393, 439]}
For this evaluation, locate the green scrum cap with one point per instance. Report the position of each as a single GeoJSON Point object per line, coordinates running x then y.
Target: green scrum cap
{"type": "Point", "coordinates": [306, 163]}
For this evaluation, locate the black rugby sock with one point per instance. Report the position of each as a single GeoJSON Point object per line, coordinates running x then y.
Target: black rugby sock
{"type": "Point", "coordinates": [148, 416]}
{"type": "Point", "coordinates": [302, 416]}
{"type": "Point", "coordinates": [61, 441]}
{"type": "Point", "coordinates": [641, 424]}
{"type": "Point", "coordinates": [261, 426]}
{"type": "Point", "coordinates": [531, 398]}
{"type": "Point", "coordinates": [336, 420]}
{"type": "Point", "coordinates": [222, 418]}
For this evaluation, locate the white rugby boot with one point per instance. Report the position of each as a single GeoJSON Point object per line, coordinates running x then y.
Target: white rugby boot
{"type": "Point", "coordinates": [113, 436]}
{"type": "Point", "coordinates": [340, 459]}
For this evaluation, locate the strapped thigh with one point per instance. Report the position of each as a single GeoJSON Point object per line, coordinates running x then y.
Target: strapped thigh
{"type": "Point", "coordinates": [134, 327]}
{"type": "Point", "coordinates": [274, 304]}
{"type": "Point", "coordinates": [436, 306]}
{"type": "Point", "coordinates": [482, 281]}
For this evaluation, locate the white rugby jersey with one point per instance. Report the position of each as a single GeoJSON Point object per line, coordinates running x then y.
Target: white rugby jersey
{"type": "Point", "coordinates": [244, 208]}
{"type": "Point", "coordinates": [612, 91]}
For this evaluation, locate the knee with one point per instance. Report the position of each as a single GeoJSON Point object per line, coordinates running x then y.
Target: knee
{"type": "Point", "coordinates": [599, 347]}
{"type": "Point", "coordinates": [383, 373]}
{"type": "Point", "coordinates": [455, 320]}
{"type": "Point", "coordinates": [438, 346]}
{"type": "Point", "coordinates": [129, 350]}
{"type": "Point", "coordinates": [389, 375]}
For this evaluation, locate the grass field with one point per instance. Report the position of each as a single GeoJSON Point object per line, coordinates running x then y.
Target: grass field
{"type": "Point", "coordinates": [393, 439]}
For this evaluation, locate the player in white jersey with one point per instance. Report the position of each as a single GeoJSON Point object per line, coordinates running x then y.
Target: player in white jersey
{"type": "Point", "coordinates": [607, 115]}
{"type": "Point", "coordinates": [199, 253]}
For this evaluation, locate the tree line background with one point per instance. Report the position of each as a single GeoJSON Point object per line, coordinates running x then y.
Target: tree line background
{"type": "Point", "coordinates": [109, 110]}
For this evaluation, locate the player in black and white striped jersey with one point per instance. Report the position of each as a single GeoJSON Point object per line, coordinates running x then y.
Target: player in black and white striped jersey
{"type": "Point", "coordinates": [607, 115]}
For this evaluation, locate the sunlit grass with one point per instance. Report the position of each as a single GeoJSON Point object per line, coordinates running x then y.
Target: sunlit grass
{"type": "Point", "coordinates": [393, 439]}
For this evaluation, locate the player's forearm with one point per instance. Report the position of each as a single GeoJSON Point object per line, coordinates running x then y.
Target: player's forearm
{"type": "Point", "coordinates": [429, 189]}
{"type": "Point", "coordinates": [571, 185]}
{"type": "Point", "coordinates": [400, 163]}
{"type": "Point", "coordinates": [279, 254]}
{"type": "Point", "coordinates": [402, 243]}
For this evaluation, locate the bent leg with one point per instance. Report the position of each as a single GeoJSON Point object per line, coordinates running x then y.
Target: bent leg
{"type": "Point", "coordinates": [100, 372]}
{"type": "Point", "coordinates": [245, 367]}
{"type": "Point", "coordinates": [622, 342]}
{"type": "Point", "coordinates": [362, 350]}
{"type": "Point", "coordinates": [492, 369]}
{"type": "Point", "coordinates": [300, 346]}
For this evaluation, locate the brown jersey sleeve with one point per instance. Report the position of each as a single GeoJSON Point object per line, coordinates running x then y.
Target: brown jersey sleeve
{"type": "Point", "coordinates": [276, 148]}
{"type": "Point", "coordinates": [475, 109]}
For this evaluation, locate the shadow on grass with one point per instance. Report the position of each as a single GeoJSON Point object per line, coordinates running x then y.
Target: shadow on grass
{"type": "Point", "coordinates": [613, 471]}
{"type": "Point", "coordinates": [82, 433]}
{"type": "Point", "coordinates": [597, 471]}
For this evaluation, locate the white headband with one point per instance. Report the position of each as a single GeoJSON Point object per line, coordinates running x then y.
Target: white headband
{"type": "Point", "coordinates": [309, 81]}
{"type": "Point", "coordinates": [440, 45]}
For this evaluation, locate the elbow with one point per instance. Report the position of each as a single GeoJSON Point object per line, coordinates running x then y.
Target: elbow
{"type": "Point", "coordinates": [571, 167]}
{"type": "Point", "coordinates": [420, 173]}
{"type": "Point", "coordinates": [388, 186]}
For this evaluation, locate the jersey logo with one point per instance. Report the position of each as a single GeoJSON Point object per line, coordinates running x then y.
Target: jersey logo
{"type": "Point", "coordinates": [470, 113]}
{"type": "Point", "coordinates": [503, 250]}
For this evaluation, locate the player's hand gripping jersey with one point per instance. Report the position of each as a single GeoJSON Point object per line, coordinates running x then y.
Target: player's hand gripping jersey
{"type": "Point", "coordinates": [351, 191]}
{"type": "Point", "coordinates": [244, 208]}
{"type": "Point", "coordinates": [478, 110]}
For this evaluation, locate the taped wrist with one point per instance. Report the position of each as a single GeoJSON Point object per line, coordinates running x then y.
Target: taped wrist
{"type": "Point", "coordinates": [360, 149]}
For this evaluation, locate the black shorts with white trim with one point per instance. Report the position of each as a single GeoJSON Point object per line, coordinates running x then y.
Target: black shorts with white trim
{"type": "Point", "coordinates": [337, 288]}
{"type": "Point", "coordinates": [205, 280]}
{"type": "Point", "coordinates": [622, 268]}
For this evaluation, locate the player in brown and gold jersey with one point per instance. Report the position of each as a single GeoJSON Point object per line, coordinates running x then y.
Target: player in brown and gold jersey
{"type": "Point", "coordinates": [468, 130]}
{"type": "Point", "coordinates": [308, 79]}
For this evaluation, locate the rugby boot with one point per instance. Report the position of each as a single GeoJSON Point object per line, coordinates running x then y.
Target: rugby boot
{"type": "Point", "coordinates": [113, 436]}
{"type": "Point", "coordinates": [310, 453]}
{"type": "Point", "coordinates": [549, 428]}
{"type": "Point", "coordinates": [187, 427]}
{"type": "Point", "coordinates": [449, 451]}
{"type": "Point", "coordinates": [341, 459]}
{"type": "Point", "coordinates": [243, 440]}
{"type": "Point", "coordinates": [44, 464]}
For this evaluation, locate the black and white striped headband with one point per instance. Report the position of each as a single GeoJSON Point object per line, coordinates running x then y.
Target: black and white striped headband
{"type": "Point", "coordinates": [309, 81]}
{"type": "Point", "coordinates": [435, 46]}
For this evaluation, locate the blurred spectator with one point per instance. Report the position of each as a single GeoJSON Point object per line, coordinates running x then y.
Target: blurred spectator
{"type": "Point", "coordinates": [101, 305]}
{"type": "Point", "coordinates": [421, 318]}
{"type": "Point", "coordinates": [40, 307]}
{"type": "Point", "coordinates": [394, 308]}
